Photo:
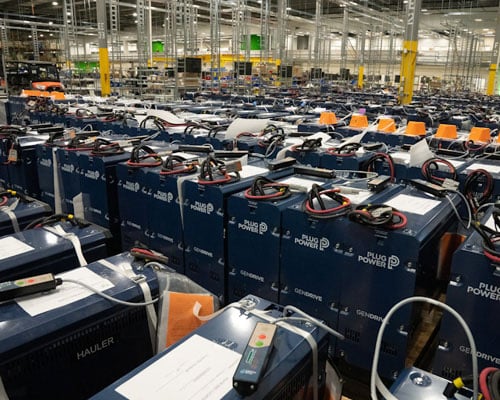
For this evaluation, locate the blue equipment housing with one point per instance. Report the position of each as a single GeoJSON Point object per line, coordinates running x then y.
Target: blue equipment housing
{"type": "Point", "coordinates": [205, 223]}
{"type": "Point", "coordinates": [26, 210]}
{"type": "Point", "coordinates": [133, 195]}
{"type": "Point", "coordinates": [354, 265]}
{"type": "Point", "coordinates": [40, 251]}
{"type": "Point", "coordinates": [474, 291]}
{"type": "Point", "coordinates": [313, 252]}
{"type": "Point", "coordinates": [257, 224]}
{"type": "Point", "coordinates": [22, 172]}
{"type": "Point", "coordinates": [98, 182]}
{"type": "Point", "coordinates": [289, 368]}
{"type": "Point", "coordinates": [69, 177]}
{"type": "Point", "coordinates": [405, 260]}
{"type": "Point", "coordinates": [76, 350]}
{"type": "Point", "coordinates": [165, 224]}
{"type": "Point", "coordinates": [45, 161]}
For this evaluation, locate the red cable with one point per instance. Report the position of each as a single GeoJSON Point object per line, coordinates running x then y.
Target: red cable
{"type": "Point", "coordinates": [346, 202]}
{"type": "Point", "coordinates": [469, 143]}
{"type": "Point", "coordinates": [226, 179]}
{"type": "Point", "coordinates": [5, 199]}
{"type": "Point", "coordinates": [157, 163]}
{"type": "Point", "coordinates": [333, 151]}
{"type": "Point", "coordinates": [483, 376]}
{"type": "Point", "coordinates": [250, 196]}
{"type": "Point", "coordinates": [184, 170]}
{"type": "Point", "coordinates": [402, 223]}
{"type": "Point", "coordinates": [490, 256]}
{"type": "Point", "coordinates": [142, 251]}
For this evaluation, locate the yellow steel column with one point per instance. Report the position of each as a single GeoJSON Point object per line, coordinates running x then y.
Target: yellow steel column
{"type": "Point", "coordinates": [361, 71]}
{"type": "Point", "coordinates": [409, 54]}
{"type": "Point", "coordinates": [408, 64]}
{"type": "Point", "coordinates": [491, 80]}
{"type": "Point", "coordinates": [102, 28]}
{"type": "Point", "coordinates": [104, 71]}
{"type": "Point", "coordinates": [492, 74]}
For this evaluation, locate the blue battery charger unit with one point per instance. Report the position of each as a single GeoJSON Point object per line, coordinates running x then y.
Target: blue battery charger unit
{"type": "Point", "coordinates": [51, 249]}
{"type": "Point", "coordinates": [73, 349]}
{"type": "Point", "coordinates": [18, 210]}
{"type": "Point", "coordinates": [474, 289]}
{"type": "Point", "coordinates": [288, 371]}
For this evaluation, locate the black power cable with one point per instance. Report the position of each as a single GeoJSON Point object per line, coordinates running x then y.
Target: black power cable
{"type": "Point", "coordinates": [319, 203]}
{"type": "Point", "coordinates": [431, 166]}
{"type": "Point", "coordinates": [474, 179]}
{"type": "Point", "coordinates": [103, 147]}
{"type": "Point", "coordinates": [176, 165]}
{"type": "Point", "coordinates": [379, 215]}
{"type": "Point", "coordinates": [52, 219]}
{"type": "Point", "coordinates": [213, 171]}
{"type": "Point", "coordinates": [265, 189]}
{"type": "Point", "coordinates": [139, 156]}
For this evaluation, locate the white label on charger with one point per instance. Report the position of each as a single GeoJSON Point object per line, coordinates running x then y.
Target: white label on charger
{"type": "Point", "coordinates": [66, 293]}
{"type": "Point", "coordinates": [300, 182]}
{"type": "Point", "coordinates": [251, 170]}
{"type": "Point", "coordinates": [412, 204]}
{"type": "Point", "coordinates": [10, 247]}
{"type": "Point", "coordinates": [492, 169]}
{"type": "Point", "coordinates": [196, 369]}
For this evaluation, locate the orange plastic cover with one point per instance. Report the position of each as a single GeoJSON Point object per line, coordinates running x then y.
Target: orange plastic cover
{"type": "Point", "coordinates": [387, 125]}
{"type": "Point", "coordinates": [478, 134]}
{"type": "Point", "coordinates": [415, 128]}
{"type": "Point", "coordinates": [327, 118]}
{"type": "Point", "coordinates": [181, 319]}
{"type": "Point", "coordinates": [358, 121]}
{"type": "Point", "coordinates": [446, 131]}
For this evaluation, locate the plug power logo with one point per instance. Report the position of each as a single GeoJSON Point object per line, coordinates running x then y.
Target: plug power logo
{"type": "Point", "coordinates": [380, 260]}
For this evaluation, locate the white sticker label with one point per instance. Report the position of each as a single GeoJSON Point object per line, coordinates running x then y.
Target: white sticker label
{"type": "Point", "coordinates": [357, 196]}
{"type": "Point", "coordinates": [412, 204]}
{"type": "Point", "coordinates": [456, 163]}
{"type": "Point", "coordinates": [300, 182]}
{"type": "Point", "coordinates": [251, 170]}
{"type": "Point", "coordinates": [10, 246]}
{"type": "Point", "coordinates": [492, 169]}
{"type": "Point", "coordinates": [172, 376]}
{"type": "Point", "coordinates": [66, 293]}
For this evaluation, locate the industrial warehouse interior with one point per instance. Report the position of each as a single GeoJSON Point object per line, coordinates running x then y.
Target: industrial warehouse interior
{"type": "Point", "coordinates": [239, 199]}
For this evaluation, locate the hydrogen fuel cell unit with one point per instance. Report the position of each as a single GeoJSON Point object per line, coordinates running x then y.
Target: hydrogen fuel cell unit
{"type": "Point", "coordinates": [165, 223]}
{"type": "Point", "coordinates": [255, 228]}
{"type": "Point", "coordinates": [205, 217]}
{"type": "Point", "coordinates": [71, 343]}
{"type": "Point", "coordinates": [313, 247]}
{"type": "Point", "coordinates": [203, 363]}
{"type": "Point", "coordinates": [385, 265]}
{"type": "Point", "coordinates": [474, 290]}
{"type": "Point", "coordinates": [51, 248]}
{"type": "Point", "coordinates": [383, 249]}
{"type": "Point", "coordinates": [18, 210]}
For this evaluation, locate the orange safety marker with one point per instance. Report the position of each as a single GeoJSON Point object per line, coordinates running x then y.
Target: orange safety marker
{"type": "Point", "coordinates": [415, 128]}
{"type": "Point", "coordinates": [387, 125]}
{"type": "Point", "coordinates": [327, 118]}
{"type": "Point", "coordinates": [480, 134]}
{"type": "Point", "coordinates": [358, 121]}
{"type": "Point", "coordinates": [446, 131]}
